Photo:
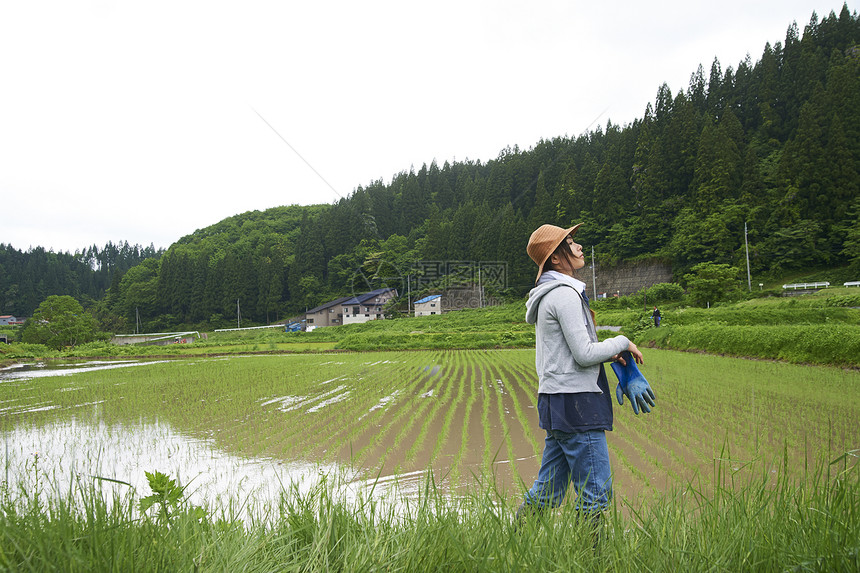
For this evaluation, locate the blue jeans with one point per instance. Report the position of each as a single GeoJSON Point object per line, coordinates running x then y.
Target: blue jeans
{"type": "Point", "coordinates": [581, 458]}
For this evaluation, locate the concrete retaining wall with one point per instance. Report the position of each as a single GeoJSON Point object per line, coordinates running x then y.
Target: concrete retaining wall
{"type": "Point", "coordinates": [156, 339]}
{"type": "Point", "coordinates": [626, 278]}
{"type": "Point", "coordinates": [460, 298]}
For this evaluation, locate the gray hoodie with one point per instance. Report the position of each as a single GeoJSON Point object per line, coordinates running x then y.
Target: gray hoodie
{"type": "Point", "coordinates": [567, 353]}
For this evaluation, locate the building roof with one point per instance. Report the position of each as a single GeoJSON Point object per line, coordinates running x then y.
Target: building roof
{"type": "Point", "coordinates": [362, 298]}
{"type": "Point", "coordinates": [346, 300]}
{"type": "Point", "coordinates": [329, 304]}
{"type": "Point", "coordinates": [428, 298]}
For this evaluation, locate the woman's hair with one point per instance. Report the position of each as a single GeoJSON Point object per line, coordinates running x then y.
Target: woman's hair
{"type": "Point", "coordinates": [562, 251]}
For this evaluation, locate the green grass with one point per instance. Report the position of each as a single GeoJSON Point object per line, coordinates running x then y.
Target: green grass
{"type": "Point", "coordinates": [769, 523]}
{"type": "Point", "coordinates": [838, 344]}
{"type": "Point", "coordinates": [815, 328]}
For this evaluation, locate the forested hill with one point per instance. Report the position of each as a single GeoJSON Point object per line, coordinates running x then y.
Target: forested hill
{"type": "Point", "coordinates": [28, 277]}
{"type": "Point", "coordinates": [774, 143]}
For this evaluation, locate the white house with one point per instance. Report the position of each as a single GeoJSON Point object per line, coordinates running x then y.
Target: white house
{"type": "Point", "coordinates": [328, 314]}
{"type": "Point", "coordinates": [429, 305]}
{"type": "Point", "coordinates": [367, 306]}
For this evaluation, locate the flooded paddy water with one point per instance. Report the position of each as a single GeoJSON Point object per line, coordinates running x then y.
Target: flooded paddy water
{"type": "Point", "coordinates": [78, 444]}
{"type": "Point", "coordinates": [246, 428]}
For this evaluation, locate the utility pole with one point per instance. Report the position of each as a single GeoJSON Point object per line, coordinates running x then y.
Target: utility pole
{"type": "Point", "coordinates": [238, 315]}
{"type": "Point", "coordinates": [593, 275]}
{"type": "Point", "coordinates": [747, 247]}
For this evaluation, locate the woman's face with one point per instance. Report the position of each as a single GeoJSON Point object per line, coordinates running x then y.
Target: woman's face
{"type": "Point", "coordinates": [576, 250]}
{"type": "Point", "coordinates": [575, 262]}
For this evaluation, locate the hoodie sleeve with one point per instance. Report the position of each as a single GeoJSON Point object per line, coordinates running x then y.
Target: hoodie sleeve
{"type": "Point", "coordinates": [570, 314]}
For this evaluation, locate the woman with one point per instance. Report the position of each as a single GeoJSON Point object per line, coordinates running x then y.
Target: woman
{"type": "Point", "coordinates": [574, 402]}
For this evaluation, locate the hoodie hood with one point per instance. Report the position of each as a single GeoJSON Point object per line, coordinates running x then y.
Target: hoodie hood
{"type": "Point", "coordinates": [548, 281]}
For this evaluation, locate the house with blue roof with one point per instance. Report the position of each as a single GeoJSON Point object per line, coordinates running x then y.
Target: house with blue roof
{"type": "Point", "coordinates": [429, 305]}
{"type": "Point", "coordinates": [367, 306]}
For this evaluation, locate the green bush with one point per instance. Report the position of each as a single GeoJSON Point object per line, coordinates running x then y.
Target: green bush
{"type": "Point", "coordinates": [712, 282]}
{"type": "Point", "coordinates": [58, 322]}
{"type": "Point", "coordinates": [664, 292]}
{"type": "Point", "coordinates": [627, 302]}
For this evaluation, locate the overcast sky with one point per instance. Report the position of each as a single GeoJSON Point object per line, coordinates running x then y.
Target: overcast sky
{"type": "Point", "coordinates": [144, 121]}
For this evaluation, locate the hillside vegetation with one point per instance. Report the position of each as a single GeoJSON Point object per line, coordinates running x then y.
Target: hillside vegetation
{"type": "Point", "coordinates": [820, 328]}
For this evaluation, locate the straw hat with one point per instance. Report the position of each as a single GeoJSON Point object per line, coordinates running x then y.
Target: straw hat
{"type": "Point", "coordinates": [544, 241]}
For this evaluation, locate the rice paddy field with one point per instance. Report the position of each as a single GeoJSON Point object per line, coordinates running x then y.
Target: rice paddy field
{"type": "Point", "coordinates": [238, 432]}
{"type": "Point", "coordinates": [468, 416]}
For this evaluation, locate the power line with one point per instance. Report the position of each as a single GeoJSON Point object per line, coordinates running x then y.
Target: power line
{"type": "Point", "coordinates": [296, 151]}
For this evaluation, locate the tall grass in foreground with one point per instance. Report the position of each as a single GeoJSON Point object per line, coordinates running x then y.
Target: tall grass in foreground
{"type": "Point", "coordinates": [773, 522]}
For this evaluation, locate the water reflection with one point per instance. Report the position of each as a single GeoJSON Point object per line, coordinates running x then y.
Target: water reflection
{"type": "Point", "coordinates": [30, 370]}
{"type": "Point", "coordinates": [50, 458]}
{"type": "Point", "coordinates": [277, 407]}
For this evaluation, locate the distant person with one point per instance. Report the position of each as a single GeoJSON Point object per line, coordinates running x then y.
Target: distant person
{"type": "Point", "coordinates": [574, 402]}
{"type": "Point", "coordinates": [656, 316]}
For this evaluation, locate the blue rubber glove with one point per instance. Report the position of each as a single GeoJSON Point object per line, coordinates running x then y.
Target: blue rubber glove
{"type": "Point", "coordinates": [632, 384]}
